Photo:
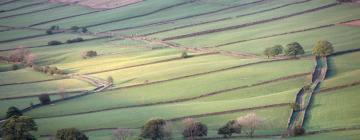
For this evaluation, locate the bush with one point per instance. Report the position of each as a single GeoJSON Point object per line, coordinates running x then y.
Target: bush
{"type": "Point", "coordinates": [229, 128]}
{"type": "Point", "coordinates": [70, 134]}
{"type": "Point", "coordinates": [14, 67]}
{"type": "Point", "coordinates": [184, 55]}
{"type": "Point", "coordinates": [75, 28]}
{"type": "Point", "coordinates": [323, 48]}
{"type": "Point", "coordinates": [110, 80]}
{"type": "Point", "coordinates": [294, 49]}
{"type": "Point", "coordinates": [79, 39]}
{"type": "Point", "coordinates": [297, 131]}
{"type": "Point", "coordinates": [88, 54]}
{"type": "Point", "coordinates": [54, 42]}
{"type": "Point", "coordinates": [18, 128]}
{"type": "Point", "coordinates": [154, 129]}
{"type": "Point", "coordinates": [49, 32]}
{"type": "Point", "coordinates": [196, 129]}
{"type": "Point", "coordinates": [13, 111]}
{"type": "Point", "coordinates": [44, 99]}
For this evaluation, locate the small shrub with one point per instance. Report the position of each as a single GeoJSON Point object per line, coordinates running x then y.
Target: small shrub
{"type": "Point", "coordinates": [79, 39]}
{"type": "Point", "coordinates": [88, 54]}
{"type": "Point", "coordinates": [184, 55]}
{"type": "Point", "coordinates": [44, 99]}
{"type": "Point", "coordinates": [54, 42]}
{"type": "Point", "coordinates": [70, 134]}
{"type": "Point", "coordinates": [297, 131]}
{"type": "Point", "coordinates": [14, 67]}
{"type": "Point", "coordinates": [13, 111]}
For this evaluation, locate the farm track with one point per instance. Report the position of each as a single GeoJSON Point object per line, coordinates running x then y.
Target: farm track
{"type": "Point", "coordinates": [60, 6]}
{"type": "Point", "coordinates": [249, 24]}
{"type": "Point", "coordinates": [211, 21]}
{"type": "Point", "coordinates": [137, 16]}
{"type": "Point", "coordinates": [190, 16]}
{"type": "Point", "coordinates": [25, 6]}
{"type": "Point", "coordinates": [21, 38]}
{"type": "Point", "coordinates": [181, 100]}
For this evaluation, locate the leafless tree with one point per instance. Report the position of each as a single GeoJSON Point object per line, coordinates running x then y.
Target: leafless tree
{"type": "Point", "coordinates": [189, 123]}
{"type": "Point", "coordinates": [30, 59]}
{"type": "Point", "coordinates": [19, 54]}
{"type": "Point", "coordinates": [122, 134]}
{"type": "Point", "coordinates": [62, 90]}
{"type": "Point", "coordinates": [251, 122]}
{"type": "Point", "coordinates": [193, 129]}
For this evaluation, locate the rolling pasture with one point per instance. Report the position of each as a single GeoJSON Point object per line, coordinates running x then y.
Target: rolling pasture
{"type": "Point", "coordinates": [178, 59]}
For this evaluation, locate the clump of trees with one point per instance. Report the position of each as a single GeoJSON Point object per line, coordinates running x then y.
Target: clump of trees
{"type": "Point", "coordinates": [294, 49]}
{"type": "Point", "coordinates": [52, 29]}
{"type": "Point", "coordinates": [194, 129]}
{"type": "Point", "coordinates": [18, 128]}
{"type": "Point", "coordinates": [323, 48]}
{"type": "Point", "coordinates": [44, 99]}
{"type": "Point", "coordinates": [274, 51]}
{"type": "Point", "coordinates": [54, 42]}
{"type": "Point", "coordinates": [79, 29]}
{"type": "Point", "coordinates": [155, 129]}
{"type": "Point", "coordinates": [13, 111]}
{"type": "Point", "coordinates": [21, 56]}
{"type": "Point", "coordinates": [230, 128]}
{"type": "Point", "coordinates": [88, 54]}
{"type": "Point", "coordinates": [70, 134]}
{"type": "Point", "coordinates": [250, 123]}
{"type": "Point", "coordinates": [79, 39]}
{"type": "Point", "coordinates": [52, 70]}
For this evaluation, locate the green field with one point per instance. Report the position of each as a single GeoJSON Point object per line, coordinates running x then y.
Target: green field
{"type": "Point", "coordinates": [176, 59]}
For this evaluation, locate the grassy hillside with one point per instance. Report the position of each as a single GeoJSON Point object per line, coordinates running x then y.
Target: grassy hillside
{"type": "Point", "coordinates": [177, 59]}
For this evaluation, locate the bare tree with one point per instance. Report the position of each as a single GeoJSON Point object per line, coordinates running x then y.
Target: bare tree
{"type": "Point", "coordinates": [62, 90]}
{"type": "Point", "coordinates": [193, 129]}
{"type": "Point", "coordinates": [250, 121]}
{"type": "Point", "coordinates": [30, 59]}
{"type": "Point", "coordinates": [19, 54]}
{"type": "Point", "coordinates": [122, 134]}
